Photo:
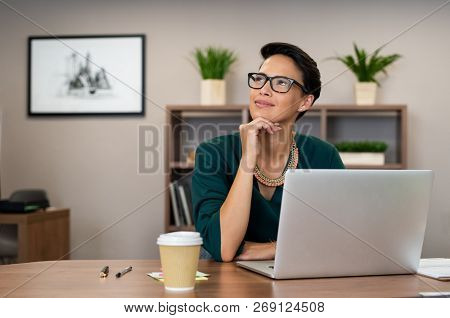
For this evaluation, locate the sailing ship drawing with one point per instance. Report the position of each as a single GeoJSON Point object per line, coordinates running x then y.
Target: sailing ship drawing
{"type": "Point", "coordinates": [84, 75]}
{"type": "Point", "coordinates": [83, 80]}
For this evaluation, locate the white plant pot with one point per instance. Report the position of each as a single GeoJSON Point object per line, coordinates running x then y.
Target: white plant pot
{"type": "Point", "coordinates": [365, 93]}
{"type": "Point", "coordinates": [363, 158]}
{"type": "Point", "coordinates": [213, 92]}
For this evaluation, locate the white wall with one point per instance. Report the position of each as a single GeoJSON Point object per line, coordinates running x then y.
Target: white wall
{"type": "Point", "coordinates": [90, 164]}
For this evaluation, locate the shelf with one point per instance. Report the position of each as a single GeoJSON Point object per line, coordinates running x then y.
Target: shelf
{"type": "Point", "coordinates": [367, 113]}
{"type": "Point", "coordinates": [174, 228]}
{"type": "Point", "coordinates": [209, 108]}
{"type": "Point", "coordinates": [209, 113]}
{"type": "Point", "coordinates": [181, 165]}
{"type": "Point", "coordinates": [346, 108]}
{"type": "Point", "coordinates": [184, 165]}
{"type": "Point", "coordinates": [315, 108]}
{"type": "Point", "coordinates": [387, 166]}
{"type": "Point", "coordinates": [312, 113]}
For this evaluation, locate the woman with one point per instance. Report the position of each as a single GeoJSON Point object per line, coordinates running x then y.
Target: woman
{"type": "Point", "coordinates": [238, 179]}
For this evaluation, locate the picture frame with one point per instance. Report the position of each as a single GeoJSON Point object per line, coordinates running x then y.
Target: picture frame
{"type": "Point", "coordinates": [86, 75]}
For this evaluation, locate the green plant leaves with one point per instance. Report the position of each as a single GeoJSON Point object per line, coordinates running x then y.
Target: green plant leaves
{"type": "Point", "coordinates": [366, 66]}
{"type": "Point", "coordinates": [361, 146]}
{"type": "Point", "coordinates": [362, 75]}
{"type": "Point", "coordinates": [214, 63]}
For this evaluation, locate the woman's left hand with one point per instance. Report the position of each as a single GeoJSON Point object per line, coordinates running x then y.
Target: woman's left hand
{"type": "Point", "coordinates": [257, 252]}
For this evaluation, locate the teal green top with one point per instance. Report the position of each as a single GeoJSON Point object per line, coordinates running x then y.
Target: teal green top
{"type": "Point", "coordinates": [216, 164]}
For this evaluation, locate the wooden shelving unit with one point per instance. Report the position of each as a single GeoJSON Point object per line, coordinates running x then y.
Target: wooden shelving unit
{"type": "Point", "coordinates": [327, 117]}
{"type": "Point", "coordinates": [175, 117]}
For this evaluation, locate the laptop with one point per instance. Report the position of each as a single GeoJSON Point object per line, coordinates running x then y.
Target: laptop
{"type": "Point", "coordinates": [336, 223]}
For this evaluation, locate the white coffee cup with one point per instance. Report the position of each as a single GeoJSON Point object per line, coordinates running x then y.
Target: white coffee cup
{"type": "Point", "coordinates": [179, 253]}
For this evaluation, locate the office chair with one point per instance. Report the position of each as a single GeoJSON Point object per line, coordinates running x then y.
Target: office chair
{"type": "Point", "coordinates": [8, 243]}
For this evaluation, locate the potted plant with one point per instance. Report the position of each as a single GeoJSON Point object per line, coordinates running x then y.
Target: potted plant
{"type": "Point", "coordinates": [366, 67]}
{"type": "Point", "coordinates": [213, 64]}
{"type": "Point", "coordinates": [362, 152]}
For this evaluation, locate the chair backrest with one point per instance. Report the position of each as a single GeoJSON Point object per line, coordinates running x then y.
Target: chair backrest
{"type": "Point", "coordinates": [8, 240]}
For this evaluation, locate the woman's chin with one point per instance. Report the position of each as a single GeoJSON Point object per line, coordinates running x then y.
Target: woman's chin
{"type": "Point", "coordinates": [267, 113]}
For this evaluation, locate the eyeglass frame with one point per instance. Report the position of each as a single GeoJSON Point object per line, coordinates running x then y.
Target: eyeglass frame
{"type": "Point", "coordinates": [270, 78]}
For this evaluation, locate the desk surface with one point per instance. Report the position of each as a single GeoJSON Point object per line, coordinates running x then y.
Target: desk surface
{"type": "Point", "coordinates": [80, 278]}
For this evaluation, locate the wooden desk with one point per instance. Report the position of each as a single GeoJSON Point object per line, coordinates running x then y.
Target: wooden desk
{"type": "Point", "coordinates": [42, 235]}
{"type": "Point", "coordinates": [80, 278]}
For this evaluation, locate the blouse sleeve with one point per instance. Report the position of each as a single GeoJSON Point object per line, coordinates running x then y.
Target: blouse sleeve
{"type": "Point", "coordinates": [210, 187]}
{"type": "Point", "coordinates": [336, 161]}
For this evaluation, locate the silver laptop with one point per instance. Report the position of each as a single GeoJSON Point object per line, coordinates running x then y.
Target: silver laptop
{"type": "Point", "coordinates": [349, 223]}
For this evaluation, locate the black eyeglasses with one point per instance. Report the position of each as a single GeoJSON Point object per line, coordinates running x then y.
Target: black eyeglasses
{"type": "Point", "coordinates": [279, 84]}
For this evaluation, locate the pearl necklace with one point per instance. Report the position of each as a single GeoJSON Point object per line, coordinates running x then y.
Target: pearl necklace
{"type": "Point", "coordinates": [292, 164]}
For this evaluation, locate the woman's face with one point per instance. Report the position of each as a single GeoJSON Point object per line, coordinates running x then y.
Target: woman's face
{"type": "Point", "coordinates": [274, 106]}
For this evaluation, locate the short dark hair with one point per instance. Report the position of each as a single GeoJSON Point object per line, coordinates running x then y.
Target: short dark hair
{"type": "Point", "coordinates": [308, 67]}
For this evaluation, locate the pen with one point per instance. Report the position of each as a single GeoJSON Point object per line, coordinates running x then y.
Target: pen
{"type": "Point", "coordinates": [126, 270]}
{"type": "Point", "coordinates": [104, 272]}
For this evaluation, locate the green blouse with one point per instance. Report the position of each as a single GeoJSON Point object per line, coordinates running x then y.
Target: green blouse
{"type": "Point", "coordinates": [216, 164]}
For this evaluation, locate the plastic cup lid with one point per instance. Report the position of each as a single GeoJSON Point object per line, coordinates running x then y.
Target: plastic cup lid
{"type": "Point", "coordinates": [180, 239]}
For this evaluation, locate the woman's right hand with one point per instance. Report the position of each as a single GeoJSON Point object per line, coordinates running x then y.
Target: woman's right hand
{"type": "Point", "coordinates": [250, 141]}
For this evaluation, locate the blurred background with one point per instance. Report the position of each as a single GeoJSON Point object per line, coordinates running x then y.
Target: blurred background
{"type": "Point", "coordinates": [90, 164]}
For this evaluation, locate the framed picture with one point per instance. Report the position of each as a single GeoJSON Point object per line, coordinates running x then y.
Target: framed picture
{"type": "Point", "coordinates": [86, 75]}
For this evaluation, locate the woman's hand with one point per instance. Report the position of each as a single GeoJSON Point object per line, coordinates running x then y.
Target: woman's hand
{"type": "Point", "coordinates": [257, 252]}
{"type": "Point", "coordinates": [249, 138]}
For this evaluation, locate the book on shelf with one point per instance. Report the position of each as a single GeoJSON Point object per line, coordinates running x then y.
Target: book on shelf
{"type": "Point", "coordinates": [174, 203]}
{"type": "Point", "coordinates": [186, 208]}
{"type": "Point", "coordinates": [181, 200]}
